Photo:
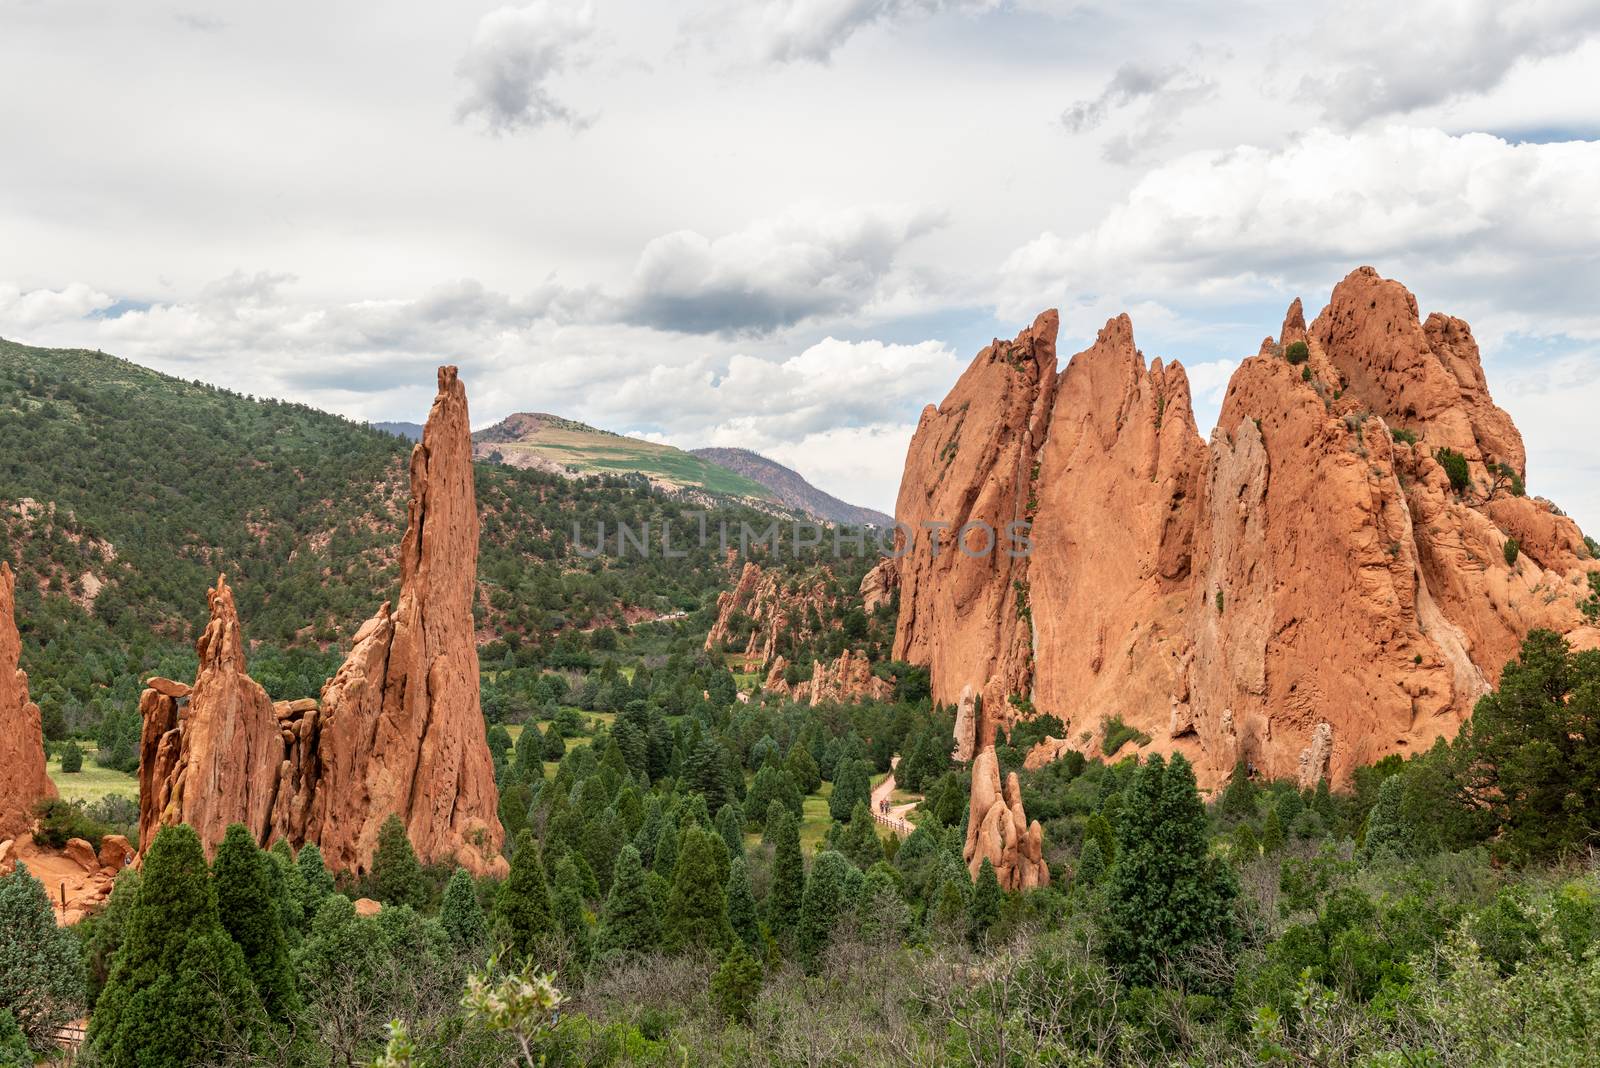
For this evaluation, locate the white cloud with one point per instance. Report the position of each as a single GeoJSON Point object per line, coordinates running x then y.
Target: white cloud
{"type": "Point", "coordinates": [786, 31]}
{"type": "Point", "coordinates": [21, 309]}
{"type": "Point", "coordinates": [1512, 231]}
{"type": "Point", "coordinates": [515, 53]}
{"type": "Point", "coordinates": [1374, 58]}
{"type": "Point", "coordinates": [773, 273]}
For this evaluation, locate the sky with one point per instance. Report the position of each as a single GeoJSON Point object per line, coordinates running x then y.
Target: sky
{"type": "Point", "coordinates": [788, 225]}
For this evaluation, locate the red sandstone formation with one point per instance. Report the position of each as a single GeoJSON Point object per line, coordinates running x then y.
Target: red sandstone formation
{"type": "Point", "coordinates": [1306, 591]}
{"type": "Point", "coordinates": [775, 606]}
{"type": "Point", "coordinates": [999, 832]}
{"type": "Point", "coordinates": [209, 757]}
{"type": "Point", "coordinates": [23, 781]}
{"type": "Point", "coordinates": [848, 678]}
{"type": "Point", "coordinates": [398, 731]}
{"type": "Point", "coordinates": [878, 586]}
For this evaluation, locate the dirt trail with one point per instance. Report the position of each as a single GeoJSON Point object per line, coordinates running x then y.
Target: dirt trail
{"type": "Point", "coordinates": [893, 816]}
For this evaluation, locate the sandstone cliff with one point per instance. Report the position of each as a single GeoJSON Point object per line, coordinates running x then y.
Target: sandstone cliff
{"type": "Point", "coordinates": [23, 781]}
{"type": "Point", "coordinates": [1306, 591]}
{"type": "Point", "coordinates": [398, 730]}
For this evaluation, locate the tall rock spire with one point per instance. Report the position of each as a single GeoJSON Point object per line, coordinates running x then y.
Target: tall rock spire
{"type": "Point", "coordinates": [23, 781]}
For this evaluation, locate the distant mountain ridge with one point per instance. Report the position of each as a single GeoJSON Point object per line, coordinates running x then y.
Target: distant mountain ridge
{"type": "Point", "coordinates": [410, 431]}
{"type": "Point", "coordinates": [792, 489]}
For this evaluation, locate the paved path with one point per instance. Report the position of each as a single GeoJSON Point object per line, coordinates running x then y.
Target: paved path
{"type": "Point", "coordinates": [895, 819]}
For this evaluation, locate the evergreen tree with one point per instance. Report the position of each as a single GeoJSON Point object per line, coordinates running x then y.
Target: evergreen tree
{"type": "Point", "coordinates": [1091, 864]}
{"type": "Point", "coordinates": [826, 897]}
{"type": "Point", "coordinates": [1271, 832]}
{"type": "Point", "coordinates": [802, 769]}
{"type": "Point", "coordinates": [462, 917]}
{"type": "Point", "coordinates": [527, 761]}
{"type": "Point", "coordinates": [1239, 796]}
{"type": "Point", "coordinates": [396, 875]}
{"type": "Point", "coordinates": [666, 859]}
{"type": "Point", "coordinates": [14, 1049]}
{"type": "Point", "coordinates": [1246, 843]}
{"type": "Point", "coordinates": [852, 785]}
{"type": "Point", "coordinates": [770, 784]}
{"type": "Point", "coordinates": [1098, 827]}
{"type": "Point", "coordinates": [858, 840]}
{"type": "Point", "coordinates": [179, 984]}
{"type": "Point", "coordinates": [253, 917]}
{"type": "Point", "coordinates": [730, 825]}
{"type": "Point", "coordinates": [523, 914]}
{"type": "Point", "coordinates": [41, 970]}
{"type": "Point", "coordinates": [983, 911]}
{"type": "Point", "coordinates": [567, 906]}
{"type": "Point", "coordinates": [1166, 894]}
{"type": "Point", "coordinates": [1388, 838]}
{"type": "Point", "coordinates": [317, 884]}
{"type": "Point", "coordinates": [629, 923]}
{"type": "Point", "coordinates": [736, 984]}
{"type": "Point", "coordinates": [787, 891]}
{"type": "Point", "coordinates": [106, 932]}
{"type": "Point", "coordinates": [742, 905]}
{"type": "Point", "coordinates": [883, 914]}
{"type": "Point", "coordinates": [554, 746]}
{"type": "Point", "coordinates": [696, 916]}
{"type": "Point", "coordinates": [289, 887]}
{"type": "Point", "coordinates": [706, 773]}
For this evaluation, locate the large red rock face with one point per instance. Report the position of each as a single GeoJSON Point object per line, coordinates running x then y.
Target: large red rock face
{"type": "Point", "coordinates": [974, 459]}
{"type": "Point", "coordinates": [399, 730]}
{"type": "Point", "coordinates": [23, 781]}
{"type": "Point", "coordinates": [1305, 592]}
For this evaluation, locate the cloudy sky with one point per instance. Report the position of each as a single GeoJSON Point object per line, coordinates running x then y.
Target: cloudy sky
{"type": "Point", "coordinates": [788, 224]}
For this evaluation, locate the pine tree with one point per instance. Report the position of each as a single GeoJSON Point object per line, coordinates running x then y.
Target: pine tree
{"type": "Point", "coordinates": [554, 746]}
{"type": "Point", "coordinates": [41, 969]}
{"type": "Point", "coordinates": [14, 1049]}
{"type": "Point", "coordinates": [736, 984]}
{"type": "Point", "coordinates": [567, 907]}
{"type": "Point", "coordinates": [802, 769]}
{"type": "Point", "coordinates": [106, 933]}
{"type": "Point", "coordinates": [770, 784]}
{"type": "Point", "coordinates": [666, 858]}
{"type": "Point", "coordinates": [983, 911]}
{"type": "Point", "coordinates": [852, 785]}
{"type": "Point", "coordinates": [1246, 844]}
{"type": "Point", "coordinates": [1388, 838]}
{"type": "Point", "coordinates": [253, 917]}
{"type": "Point", "coordinates": [1166, 894]}
{"type": "Point", "coordinates": [826, 898]}
{"type": "Point", "coordinates": [730, 825]}
{"type": "Point", "coordinates": [179, 983]}
{"type": "Point", "coordinates": [527, 760]}
{"type": "Point", "coordinates": [696, 916]}
{"type": "Point", "coordinates": [318, 884]}
{"type": "Point", "coordinates": [785, 896]}
{"type": "Point", "coordinates": [462, 917]}
{"type": "Point", "coordinates": [1091, 864]}
{"type": "Point", "coordinates": [742, 905]}
{"type": "Point", "coordinates": [289, 887]}
{"type": "Point", "coordinates": [396, 875]}
{"type": "Point", "coordinates": [1239, 796]}
{"type": "Point", "coordinates": [523, 914]}
{"type": "Point", "coordinates": [883, 914]}
{"type": "Point", "coordinates": [1271, 832]}
{"type": "Point", "coordinates": [629, 923]}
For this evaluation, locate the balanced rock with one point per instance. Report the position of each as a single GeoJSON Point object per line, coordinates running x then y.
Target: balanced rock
{"type": "Point", "coordinates": [23, 780]}
{"type": "Point", "coordinates": [1306, 590]}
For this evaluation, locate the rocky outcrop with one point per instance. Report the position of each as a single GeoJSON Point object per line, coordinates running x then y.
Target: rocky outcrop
{"type": "Point", "coordinates": [878, 586]}
{"type": "Point", "coordinates": [847, 678]}
{"type": "Point", "coordinates": [398, 730]}
{"type": "Point", "coordinates": [23, 780]}
{"type": "Point", "coordinates": [1306, 590]}
{"type": "Point", "coordinates": [975, 460]}
{"type": "Point", "coordinates": [763, 607]}
{"type": "Point", "coordinates": [998, 831]}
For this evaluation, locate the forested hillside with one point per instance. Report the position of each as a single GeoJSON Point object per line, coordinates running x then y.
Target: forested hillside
{"type": "Point", "coordinates": [125, 492]}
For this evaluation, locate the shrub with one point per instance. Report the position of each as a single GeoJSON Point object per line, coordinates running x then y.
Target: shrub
{"type": "Point", "coordinates": [60, 820]}
{"type": "Point", "coordinates": [1297, 352]}
{"type": "Point", "coordinates": [71, 758]}
{"type": "Point", "coordinates": [1512, 548]}
{"type": "Point", "coordinates": [1119, 734]}
{"type": "Point", "coordinates": [736, 984]}
{"type": "Point", "coordinates": [1455, 468]}
{"type": "Point", "coordinates": [1401, 434]}
{"type": "Point", "coordinates": [41, 965]}
{"type": "Point", "coordinates": [1305, 374]}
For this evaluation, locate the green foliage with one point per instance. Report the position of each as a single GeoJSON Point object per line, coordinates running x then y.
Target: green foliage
{"type": "Point", "coordinates": [104, 934]}
{"type": "Point", "coordinates": [60, 821]}
{"type": "Point", "coordinates": [1400, 434]}
{"type": "Point", "coordinates": [41, 973]}
{"type": "Point", "coordinates": [71, 758]}
{"type": "Point", "coordinates": [736, 984]}
{"type": "Point", "coordinates": [461, 915]}
{"type": "Point", "coordinates": [858, 840]}
{"type": "Point", "coordinates": [742, 915]}
{"type": "Point", "coordinates": [316, 882]}
{"type": "Point", "coordinates": [1510, 550]}
{"type": "Point", "coordinates": [252, 914]}
{"type": "Point", "coordinates": [771, 786]}
{"type": "Point", "coordinates": [1297, 352]}
{"type": "Point", "coordinates": [1166, 894]}
{"type": "Point", "coordinates": [852, 786]}
{"type": "Point", "coordinates": [523, 917]}
{"type": "Point", "coordinates": [1239, 796]}
{"type": "Point", "coordinates": [827, 890]}
{"type": "Point", "coordinates": [1272, 834]}
{"type": "Point", "coordinates": [1388, 838]}
{"type": "Point", "coordinates": [570, 916]}
{"type": "Point", "coordinates": [983, 911]}
{"type": "Point", "coordinates": [1091, 864]}
{"type": "Point", "coordinates": [629, 924]}
{"type": "Point", "coordinates": [1455, 468]}
{"type": "Point", "coordinates": [1534, 766]}
{"type": "Point", "coordinates": [14, 1051]}
{"type": "Point", "coordinates": [1117, 734]}
{"type": "Point", "coordinates": [179, 986]}
{"type": "Point", "coordinates": [396, 875]}
{"type": "Point", "coordinates": [696, 915]}
{"type": "Point", "coordinates": [786, 895]}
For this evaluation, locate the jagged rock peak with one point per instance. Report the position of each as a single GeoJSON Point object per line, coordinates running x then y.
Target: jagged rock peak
{"type": "Point", "coordinates": [23, 780]}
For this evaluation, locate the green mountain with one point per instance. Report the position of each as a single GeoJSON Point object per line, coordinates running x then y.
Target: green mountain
{"type": "Point", "coordinates": [544, 442]}
{"type": "Point", "coordinates": [124, 492]}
